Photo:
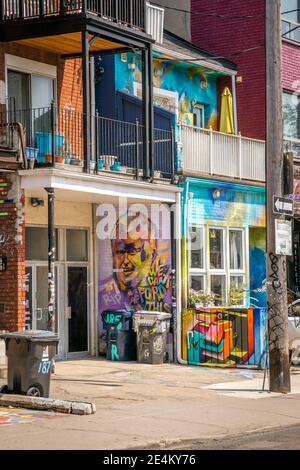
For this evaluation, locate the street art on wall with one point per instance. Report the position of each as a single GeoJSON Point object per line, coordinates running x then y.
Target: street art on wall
{"type": "Point", "coordinates": [224, 337]}
{"type": "Point", "coordinates": [192, 84]}
{"type": "Point", "coordinates": [135, 270]}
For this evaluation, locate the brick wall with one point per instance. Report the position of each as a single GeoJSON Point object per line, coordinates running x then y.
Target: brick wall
{"type": "Point", "coordinates": [12, 225]}
{"type": "Point", "coordinates": [12, 247]}
{"type": "Point", "coordinates": [228, 36]}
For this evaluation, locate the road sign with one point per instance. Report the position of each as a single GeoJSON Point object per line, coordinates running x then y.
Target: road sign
{"type": "Point", "coordinates": [283, 206]}
{"type": "Point", "coordinates": [283, 237]}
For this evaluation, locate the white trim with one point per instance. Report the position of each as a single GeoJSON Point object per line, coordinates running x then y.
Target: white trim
{"type": "Point", "coordinates": [159, 92]}
{"type": "Point", "coordinates": [30, 66]}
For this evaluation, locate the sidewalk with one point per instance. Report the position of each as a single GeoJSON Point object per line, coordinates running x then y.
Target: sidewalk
{"type": "Point", "coordinates": [142, 405]}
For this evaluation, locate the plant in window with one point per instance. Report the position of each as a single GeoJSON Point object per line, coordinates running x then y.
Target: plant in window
{"type": "Point", "coordinates": [236, 295]}
{"type": "Point", "coordinates": [201, 299]}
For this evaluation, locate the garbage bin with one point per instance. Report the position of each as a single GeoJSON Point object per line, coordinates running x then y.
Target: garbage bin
{"type": "Point", "coordinates": [152, 329]}
{"type": "Point", "coordinates": [30, 356]}
{"type": "Point", "coordinates": [120, 337]}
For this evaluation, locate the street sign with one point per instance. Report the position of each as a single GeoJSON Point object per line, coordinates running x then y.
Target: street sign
{"type": "Point", "coordinates": [283, 237]}
{"type": "Point", "coordinates": [283, 206]}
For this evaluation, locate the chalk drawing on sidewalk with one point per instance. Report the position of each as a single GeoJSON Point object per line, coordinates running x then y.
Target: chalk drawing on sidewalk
{"type": "Point", "coordinates": [10, 416]}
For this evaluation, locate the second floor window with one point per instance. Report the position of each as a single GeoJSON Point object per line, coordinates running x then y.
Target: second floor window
{"type": "Point", "coordinates": [291, 115]}
{"type": "Point", "coordinates": [290, 10]}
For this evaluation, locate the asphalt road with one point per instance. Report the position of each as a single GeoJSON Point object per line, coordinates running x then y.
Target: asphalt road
{"type": "Point", "coordinates": [284, 438]}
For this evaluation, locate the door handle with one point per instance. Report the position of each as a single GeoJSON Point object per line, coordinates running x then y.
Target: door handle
{"type": "Point", "coordinates": [68, 313]}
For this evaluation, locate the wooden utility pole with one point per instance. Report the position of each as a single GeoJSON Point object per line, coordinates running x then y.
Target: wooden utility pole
{"type": "Point", "coordinates": [276, 264]}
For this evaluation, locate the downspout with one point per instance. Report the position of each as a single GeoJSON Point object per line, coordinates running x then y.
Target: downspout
{"type": "Point", "coordinates": [182, 279]}
{"type": "Point", "coordinates": [235, 115]}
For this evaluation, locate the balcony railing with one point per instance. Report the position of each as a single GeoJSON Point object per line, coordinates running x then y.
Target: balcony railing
{"type": "Point", "coordinates": [55, 136]}
{"type": "Point", "coordinates": [215, 153]}
{"type": "Point", "coordinates": [155, 22]}
{"type": "Point", "coordinates": [130, 13]}
{"type": "Point", "coordinates": [292, 145]}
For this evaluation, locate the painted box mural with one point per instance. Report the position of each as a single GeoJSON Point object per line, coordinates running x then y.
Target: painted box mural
{"type": "Point", "coordinates": [135, 264]}
{"type": "Point", "coordinates": [224, 337]}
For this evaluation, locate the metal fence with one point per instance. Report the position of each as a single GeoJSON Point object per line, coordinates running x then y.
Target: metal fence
{"type": "Point", "coordinates": [131, 13]}
{"type": "Point", "coordinates": [56, 135]}
{"type": "Point", "coordinates": [215, 153]}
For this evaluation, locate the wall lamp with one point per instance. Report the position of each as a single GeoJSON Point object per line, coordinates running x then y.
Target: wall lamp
{"type": "Point", "coordinates": [35, 202]}
{"type": "Point", "coordinates": [216, 194]}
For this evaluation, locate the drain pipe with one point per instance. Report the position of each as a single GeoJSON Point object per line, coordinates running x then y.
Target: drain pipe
{"type": "Point", "coordinates": [181, 221]}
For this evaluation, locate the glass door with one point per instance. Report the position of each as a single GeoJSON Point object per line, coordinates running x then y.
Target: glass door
{"type": "Point", "coordinates": [77, 310]}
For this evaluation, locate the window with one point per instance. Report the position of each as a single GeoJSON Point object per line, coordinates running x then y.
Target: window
{"type": "Point", "coordinates": [291, 115]}
{"type": "Point", "coordinates": [77, 245]}
{"type": "Point", "coordinates": [37, 243]}
{"type": "Point", "coordinates": [291, 19]}
{"type": "Point", "coordinates": [198, 112]}
{"type": "Point", "coordinates": [222, 271]}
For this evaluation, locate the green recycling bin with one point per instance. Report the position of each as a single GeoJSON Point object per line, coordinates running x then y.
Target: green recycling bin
{"type": "Point", "coordinates": [30, 356]}
{"type": "Point", "coordinates": [120, 337]}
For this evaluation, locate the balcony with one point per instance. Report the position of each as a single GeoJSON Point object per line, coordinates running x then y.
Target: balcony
{"type": "Point", "coordinates": [122, 23]}
{"type": "Point", "coordinates": [214, 153]}
{"type": "Point", "coordinates": [54, 137]}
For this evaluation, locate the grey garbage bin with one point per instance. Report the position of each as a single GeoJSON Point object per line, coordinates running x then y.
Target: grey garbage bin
{"type": "Point", "coordinates": [30, 356]}
{"type": "Point", "coordinates": [152, 329]}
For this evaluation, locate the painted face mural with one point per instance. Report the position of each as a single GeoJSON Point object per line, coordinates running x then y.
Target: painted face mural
{"type": "Point", "coordinates": [135, 268]}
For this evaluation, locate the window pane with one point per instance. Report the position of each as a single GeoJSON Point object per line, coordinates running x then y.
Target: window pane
{"type": "Point", "coordinates": [237, 290]}
{"type": "Point", "coordinates": [77, 245]}
{"type": "Point", "coordinates": [218, 287]}
{"type": "Point", "coordinates": [197, 283]}
{"type": "Point", "coordinates": [37, 243]}
{"type": "Point", "coordinates": [196, 247]}
{"type": "Point", "coordinates": [291, 115]}
{"type": "Point", "coordinates": [289, 5]}
{"type": "Point", "coordinates": [236, 249]}
{"type": "Point", "coordinates": [216, 249]}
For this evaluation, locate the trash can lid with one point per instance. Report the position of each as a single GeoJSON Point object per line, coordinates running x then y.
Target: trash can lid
{"type": "Point", "coordinates": [32, 335]}
{"type": "Point", "coordinates": [154, 315]}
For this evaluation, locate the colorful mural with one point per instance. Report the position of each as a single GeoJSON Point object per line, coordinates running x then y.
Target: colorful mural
{"type": "Point", "coordinates": [193, 84]}
{"type": "Point", "coordinates": [135, 268]}
{"type": "Point", "coordinates": [237, 206]}
{"type": "Point", "coordinates": [224, 337]}
{"type": "Point", "coordinates": [11, 416]}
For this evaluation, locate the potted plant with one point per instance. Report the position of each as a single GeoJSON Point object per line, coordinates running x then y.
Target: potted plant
{"type": "Point", "coordinates": [198, 299]}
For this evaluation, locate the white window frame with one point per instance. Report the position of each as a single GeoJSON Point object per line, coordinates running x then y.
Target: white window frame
{"type": "Point", "coordinates": [201, 109]}
{"type": "Point", "coordinates": [226, 271]}
{"type": "Point", "coordinates": [172, 96]}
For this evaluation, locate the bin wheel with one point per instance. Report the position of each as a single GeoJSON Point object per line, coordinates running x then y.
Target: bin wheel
{"type": "Point", "coordinates": [4, 389]}
{"type": "Point", "coordinates": [33, 392]}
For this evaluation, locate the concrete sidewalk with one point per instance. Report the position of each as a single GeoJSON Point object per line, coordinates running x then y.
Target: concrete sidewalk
{"type": "Point", "coordinates": [143, 405]}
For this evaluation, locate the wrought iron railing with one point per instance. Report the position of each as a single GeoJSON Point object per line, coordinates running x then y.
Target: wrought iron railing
{"type": "Point", "coordinates": [56, 136]}
{"type": "Point", "coordinates": [131, 13]}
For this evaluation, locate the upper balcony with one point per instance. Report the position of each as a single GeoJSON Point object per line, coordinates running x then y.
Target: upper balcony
{"type": "Point", "coordinates": [122, 23]}
{"type": "Point", "coordinates": [214, 153]}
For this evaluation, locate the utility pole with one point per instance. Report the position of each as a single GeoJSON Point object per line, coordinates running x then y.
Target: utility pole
{"type": "Point", "coordinates": [276, 264]}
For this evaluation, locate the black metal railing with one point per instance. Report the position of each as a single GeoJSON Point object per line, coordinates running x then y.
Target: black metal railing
{"type": "Point", "coordinates": [56, 136]}
{"type": "Point", "coordinates": [131, 13]}
{"type": "Point", "coordinates": [123, 142]}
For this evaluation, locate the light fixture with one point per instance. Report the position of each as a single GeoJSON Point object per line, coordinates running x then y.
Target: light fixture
{"type": "Point", "coordinates": [216, 194]}
{"type": "Point", "coordinates": [35, 202]}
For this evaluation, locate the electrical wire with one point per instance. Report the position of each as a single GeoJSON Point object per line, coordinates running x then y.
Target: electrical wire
{"type": "Point", "coordinates": [214, 15]}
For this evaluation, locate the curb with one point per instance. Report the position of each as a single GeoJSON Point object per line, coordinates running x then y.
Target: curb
{"type": "Point", "coordinates": [48, 404]}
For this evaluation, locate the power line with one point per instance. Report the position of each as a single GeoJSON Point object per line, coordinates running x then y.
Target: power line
{"type": "Point", "coordinates": [214, 15]}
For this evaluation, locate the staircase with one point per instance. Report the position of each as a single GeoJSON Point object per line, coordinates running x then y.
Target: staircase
{"type": "Point", "coordinates": [12, 147]}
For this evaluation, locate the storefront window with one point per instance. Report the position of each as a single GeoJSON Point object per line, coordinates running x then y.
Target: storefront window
{"type": "Point", "coordinates": [218, 288]}
{"type": "Point", "coordinates": [37, 244]}
{"type": "Point", "coordinates": [216, 248]}
{"type": "Point", "coordinates": [222, 271]}
{"type": "Point", "coordinates": [236, 249]}
{"type": "Point", "coordinates": [77, 246]}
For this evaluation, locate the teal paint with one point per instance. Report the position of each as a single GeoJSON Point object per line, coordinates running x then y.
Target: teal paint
{"type": "Point", "coordinates": [114, 353]}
